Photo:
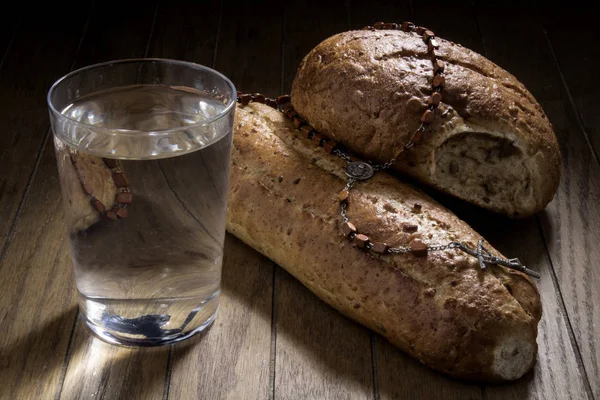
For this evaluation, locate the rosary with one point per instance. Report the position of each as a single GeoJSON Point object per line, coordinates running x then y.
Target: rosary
{"type": "Point", "coordinates": [360, 170]}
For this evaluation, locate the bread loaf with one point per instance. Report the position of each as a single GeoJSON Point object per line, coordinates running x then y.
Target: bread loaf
{"type": "Point", "coordinates": [490, 144]}
{"type": "Point", "coordinates": [441, 309]}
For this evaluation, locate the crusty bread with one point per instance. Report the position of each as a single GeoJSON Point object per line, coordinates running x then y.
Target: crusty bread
{"type": "Point", "coordinates": [491, 143]}
{"type": "Point", "coordinates": [441, 309]}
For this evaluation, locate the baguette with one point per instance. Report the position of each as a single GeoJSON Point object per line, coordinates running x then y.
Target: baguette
{"type": "Point", "coordinates": [441, 309]}
{"type": "Point", "coordinates": [490, 144]}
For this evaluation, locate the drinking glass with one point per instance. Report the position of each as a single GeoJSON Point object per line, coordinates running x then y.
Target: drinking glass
{"type": "Point", "coordinates": [143, 150]}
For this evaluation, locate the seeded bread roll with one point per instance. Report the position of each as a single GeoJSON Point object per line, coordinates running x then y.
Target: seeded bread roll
{"type": "Point", "coordinates": [490, 144]}
{"type": "Point", "coordinates": [441, 309]}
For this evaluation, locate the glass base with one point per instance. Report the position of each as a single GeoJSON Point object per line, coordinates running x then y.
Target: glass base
{"type": "Point", "coordinates": [145, 342]}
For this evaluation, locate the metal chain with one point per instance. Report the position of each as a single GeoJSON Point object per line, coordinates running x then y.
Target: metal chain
{"type": "Point", "coordinates": [360, 170]}
{"type": "Point", "coordinates": [342, 155]}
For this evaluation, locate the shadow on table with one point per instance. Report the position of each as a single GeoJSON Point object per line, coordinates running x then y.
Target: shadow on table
{"type": "Point", "coordinates": [31, 365]}
{"type": "Point", "coordinates": [340, 349]}
{"type": "Point", "coordinates": [38, 366]}
{"type": "Point", "coordinates": [518, 238]}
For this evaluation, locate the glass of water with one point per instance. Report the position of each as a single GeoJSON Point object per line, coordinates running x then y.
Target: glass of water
{"type": "Point", "coordinates": [143, 150]}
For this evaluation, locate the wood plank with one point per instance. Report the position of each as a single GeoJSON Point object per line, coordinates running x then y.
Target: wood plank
{"type": "Point", "coordinates": [186, 33]}
{"type": "Point", "coordinates": [232, 360]}
{"type": "Point", "coordinates": [568, 222]}
{"type": "Point", "coordinates": [95, 367]}
{"type": "Point", "coordinates": [249, 48]}
{"type": "Point", "coordinates": [38, 305]}
{"type": "Point", "coordinates": [522, 238]}
{"type": "Point", "coordinates": [320, 353]}
{"type": "Point", "coordinates": [361, 14]}
{"type": "Point", "coordinates": [305, 28]}
{"type": "Point", "coordinates": [554, 336]}
{"type": "Point", "coordinates": [98, 369]}
{"type": "Point", "coordinates": [38, 56]}
{"type": "Point", "coordinates": [576, 59]}
{"type": "Point", "coordinates": [37, 260]}
{"type": "Point", "coordinates": [34, 275]}
{"type": "Point", "coordinates": [400, 376]}
{"type": "Point", "coordinates": [8, 28]}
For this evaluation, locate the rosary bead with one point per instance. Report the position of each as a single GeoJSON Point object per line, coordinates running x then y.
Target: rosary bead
{"type": "Point", "coordinates": [245, 99]}
{"type": "Point", "coordinates": [98, 205]}
{"type": "Point", "coordinates": [283, 99]}
{"type": "Point", "coordinates": [121, 212]}
{"type": "Point", "coordinates": [428, 35]}
{"type": "Point", "coordinates": [380, 247]}
{"type": "Point", "coordinates": [418, 248]}
{"type": "Point", "coordinates": [317, 138]}
{"type": "Point", "coordinates": [343, 196]}
{"type": "Point", "coordinates": [259, 98]}
{"type": "Point", "coordinates": [299, 121]}
{"type": "Point", "coordinates": [307, 131]}
{"type": "Point", "coordinates": [417, 137]}
{"type": "Point", "coordinates": [120, 179]}
{"type": "Point", "coordinates": [348, 228]}
{"type": "Point", "coordinates": [271, 103]}
{"type": "Point", "coordinates": [439, 81]}
{"type": "Point", "coordinates": [427, 117]}
{"type": "Point", "coordinates": [361, 240]}
{"type": "Point", "coordinates": [410, 228]}
{"type": "Point", "coordinates": [291, 113]}
{"type": "Point", "coordinates": [432, 45]}
{"type": "Point", "coordinates": [438, 66]}
{"type": "Point", "coordinates": [435, 99]}
{"type": "Point", "coordinates": [124, 198]}
{"type": "Point", "coordinates": [330, 146]}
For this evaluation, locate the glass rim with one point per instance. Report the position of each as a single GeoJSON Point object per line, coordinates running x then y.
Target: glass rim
{"type": "Point", "coordinates": [134, 132]}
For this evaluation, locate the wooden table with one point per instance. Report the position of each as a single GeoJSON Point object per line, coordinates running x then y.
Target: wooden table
{"type": "Point", "coordinates": [273, 338]}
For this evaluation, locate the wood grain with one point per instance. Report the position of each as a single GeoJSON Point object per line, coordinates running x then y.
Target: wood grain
{"type": "Point", "coordinates": [418, 381]}
{"type": "Point", "coordinates": [547, 380]}
{"type": "Point", "coordinates": [361, 14]}
{"type": "Point", "coordinates": [305, 28]}
{"type": "Point", "coordinates": [568, 220]}
{"type": "Point", "coordinates": [311, 351]}
{"type": "Point", "coordinates": [38, 257]}
{"type": "Point", "coordinates": [8, 29]}
{"type": "Point", "coordinates": [575, 61]}
{"type": "Point", "coordinates": [320, 353]}
{"type": "Point", "coordinates": [186, 33]}
{"type": "Point", "coordinates": [100, 370]}
{"type": "Point", "coordinates": [249, 48]}
{"type": "Point", "coordinates": [401, 377]}
{"type": "Point", "coordinates": [25, 77]}
{"type": "Point", "coordinates": [38, 305]}
{"type": "Point", "coordinates": [232, 360]}
{"type": "Point", "coordinates": [93, 367]}
{"type": "Point", "coordinates": [523, 238]}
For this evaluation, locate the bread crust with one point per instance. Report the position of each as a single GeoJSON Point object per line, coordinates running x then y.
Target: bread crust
{"type": "Point", "coordinates": [442, 309]}
{"type": "Point", "coordinates": [368, 89]}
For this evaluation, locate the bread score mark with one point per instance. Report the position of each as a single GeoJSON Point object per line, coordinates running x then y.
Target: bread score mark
{"type": "Point", "coordinates": [357, 170]}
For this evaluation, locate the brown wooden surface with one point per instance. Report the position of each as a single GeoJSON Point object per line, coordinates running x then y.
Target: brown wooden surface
{"type": "Point", "coordinates": [273, 338]}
